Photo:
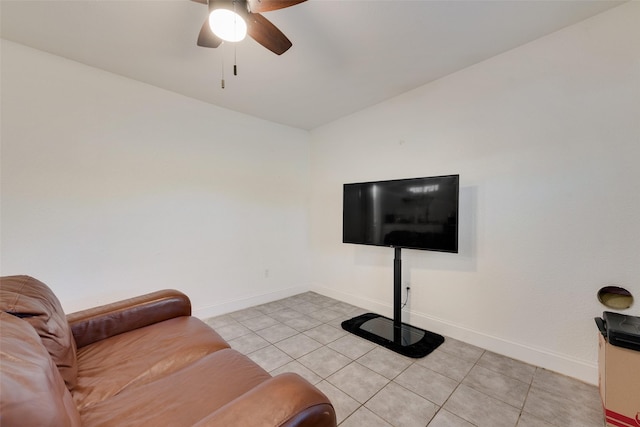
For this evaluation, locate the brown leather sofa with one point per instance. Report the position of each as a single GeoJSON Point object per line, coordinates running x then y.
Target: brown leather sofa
{"type": "Point", "coordinates": [139, 362]}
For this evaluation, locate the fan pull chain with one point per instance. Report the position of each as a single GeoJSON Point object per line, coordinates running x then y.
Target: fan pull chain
{"type": "Point", "coordinates": [222, 80]}
{"type": "Point", "coordinates": [235, 60]}
{"type": "Point", "coordinates": [235, 66]}
{"type": "Point", "coordinates": [235, 47]}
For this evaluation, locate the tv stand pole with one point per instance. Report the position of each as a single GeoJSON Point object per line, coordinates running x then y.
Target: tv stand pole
{"type": "Point", "coordinates": [392, 333]}
{"type": "Point", "coordinates": [397, 296]}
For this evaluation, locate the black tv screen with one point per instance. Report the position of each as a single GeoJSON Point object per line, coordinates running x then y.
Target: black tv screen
{"type": "Point", "coordinates": [415, 213]}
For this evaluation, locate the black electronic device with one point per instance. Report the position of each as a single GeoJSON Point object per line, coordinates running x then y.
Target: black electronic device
{"type": "Point", "coordinates": [620, 330]}
{"type": "Point", "coordinates": [414, 213]}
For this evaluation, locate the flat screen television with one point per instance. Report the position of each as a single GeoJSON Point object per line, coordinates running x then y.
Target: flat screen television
{"type": "Point", "coordinates": [415, 213]}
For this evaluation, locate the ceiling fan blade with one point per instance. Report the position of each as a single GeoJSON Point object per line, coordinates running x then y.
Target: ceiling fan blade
{"type": "Point", "coordinates": [206, 38]}
{"type": "Point", "coordinates": [267, 34]}
{"type": "Point", "coordinates": [257, 6]}
{"type": "Point", "coordinates": [200, 1]}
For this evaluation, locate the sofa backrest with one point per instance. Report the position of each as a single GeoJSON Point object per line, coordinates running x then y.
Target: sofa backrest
{"type": "Point", "coordinates": [33, 301]}
{"type": "Point", "coordinates": [33, 392]}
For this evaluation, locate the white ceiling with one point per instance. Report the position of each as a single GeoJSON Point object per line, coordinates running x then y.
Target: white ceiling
{"type": "Point", "coordinates": [346, 54]}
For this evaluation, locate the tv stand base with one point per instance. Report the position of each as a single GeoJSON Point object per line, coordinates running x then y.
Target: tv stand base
{"type": "Point", "coordinates": [404, 339]}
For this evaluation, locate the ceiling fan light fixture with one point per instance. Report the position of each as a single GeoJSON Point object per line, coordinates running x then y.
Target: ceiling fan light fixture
{"type": "Point", "coordinates": [227, 25]}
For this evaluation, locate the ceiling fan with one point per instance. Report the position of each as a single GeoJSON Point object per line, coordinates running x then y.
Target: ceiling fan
{"type": "Point", "coordinates": [257, 26]}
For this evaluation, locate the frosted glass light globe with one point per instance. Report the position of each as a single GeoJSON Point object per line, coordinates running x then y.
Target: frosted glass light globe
{"type": "Point", "coordinates": [227, 25]}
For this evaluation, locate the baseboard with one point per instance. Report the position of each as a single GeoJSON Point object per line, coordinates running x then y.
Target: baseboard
{"type": "Point", "coordinates": [582, 370]}
{"type": "Point", "coordinates": [246, 302]}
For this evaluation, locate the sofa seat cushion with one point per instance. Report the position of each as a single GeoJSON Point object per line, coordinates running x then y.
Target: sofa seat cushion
{"type": "Point", "coordinates": [32, 300]}
{"type": "Point", "coordinates": [33, 391]}
{"type": "Point", "coordinates": [181, 398]}
{"type": "Point", "coordinates": [127, 361]}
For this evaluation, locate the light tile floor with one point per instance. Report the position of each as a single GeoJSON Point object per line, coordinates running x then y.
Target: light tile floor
{"type": "Point", "coordinates": [458, 385]}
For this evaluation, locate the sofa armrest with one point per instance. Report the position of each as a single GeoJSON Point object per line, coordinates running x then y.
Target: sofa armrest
{"type": "Point", "coordinates": [285, 400]}
{"type": "Point", "coordinates": [98, 323]}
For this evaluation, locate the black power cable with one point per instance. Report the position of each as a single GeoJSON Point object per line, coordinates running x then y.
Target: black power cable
{"type": "Point", "coordinates": [406, 298]}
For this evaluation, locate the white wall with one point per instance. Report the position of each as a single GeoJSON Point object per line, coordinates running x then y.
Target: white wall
{"type": "Point", "coordinates": [546, 139]}
{"type": "Point", "coordinates": [111, 188]}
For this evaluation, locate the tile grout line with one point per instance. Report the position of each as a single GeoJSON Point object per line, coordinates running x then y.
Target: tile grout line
{"type": "Point", "coordinates": [454, 390]}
